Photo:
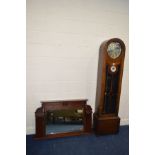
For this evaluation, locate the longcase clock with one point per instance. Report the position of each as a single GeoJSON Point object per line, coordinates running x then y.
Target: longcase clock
{"type": "Point", "coordinates": [110, 71]}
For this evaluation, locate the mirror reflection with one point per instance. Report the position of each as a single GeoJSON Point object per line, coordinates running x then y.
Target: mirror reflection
{"type": "Point", "coordinates": [61, 121]}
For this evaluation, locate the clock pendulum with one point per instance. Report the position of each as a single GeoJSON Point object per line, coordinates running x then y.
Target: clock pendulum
{"type": "Point", "coordinates": [110, 71]}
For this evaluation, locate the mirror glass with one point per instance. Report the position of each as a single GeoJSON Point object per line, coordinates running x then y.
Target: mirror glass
{"type": "Point", "coordinates": [62, 121]}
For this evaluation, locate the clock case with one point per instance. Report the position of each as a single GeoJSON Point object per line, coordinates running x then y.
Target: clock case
{"type": "Point", "coordinates": [105, 118]}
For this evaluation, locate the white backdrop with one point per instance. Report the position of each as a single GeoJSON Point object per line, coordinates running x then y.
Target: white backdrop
{"type": "Point", "coordinates": [63, 39]}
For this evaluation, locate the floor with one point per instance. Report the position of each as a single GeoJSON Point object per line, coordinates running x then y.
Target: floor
{"type": "Point", "coordinates": [81, 145]}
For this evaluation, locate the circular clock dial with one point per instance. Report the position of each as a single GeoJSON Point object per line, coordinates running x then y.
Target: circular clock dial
{"type": "Point", "coordinates": [113, 68]}
{"type": "Point", "coordinates": [114, 50]}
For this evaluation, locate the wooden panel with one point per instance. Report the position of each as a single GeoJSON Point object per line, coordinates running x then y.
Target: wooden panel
{"type": "Point", "coordinates": [106, 125]}
{"type": "Point", "coordinates": [70, 104]}
{"type": "Point", "coordinates": [40, 122]}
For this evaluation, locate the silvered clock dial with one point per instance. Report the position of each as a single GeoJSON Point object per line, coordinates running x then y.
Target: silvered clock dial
{"type": "Point", "coordinates": [113, 68]}
{"type": "Point", "coordinates": [114, 50]}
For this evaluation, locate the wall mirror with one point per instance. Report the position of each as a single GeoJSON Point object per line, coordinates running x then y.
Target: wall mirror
{"type": "Point", "coordinates": [63, 118]}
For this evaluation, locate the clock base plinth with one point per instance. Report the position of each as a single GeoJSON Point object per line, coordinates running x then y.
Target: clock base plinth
{"type": "Point", "coordinates": [106, 125]}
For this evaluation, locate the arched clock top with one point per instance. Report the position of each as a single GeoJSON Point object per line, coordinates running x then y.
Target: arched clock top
{"type": "Point", "coordinates": [113, 50]}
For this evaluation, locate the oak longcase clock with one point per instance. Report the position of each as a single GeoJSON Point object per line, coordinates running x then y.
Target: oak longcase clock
{"type": "Point", "coordinates": [110, 71]}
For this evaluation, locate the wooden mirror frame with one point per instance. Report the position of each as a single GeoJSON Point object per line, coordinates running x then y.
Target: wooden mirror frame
{"type": "Point", "coordinates": [40, 117]}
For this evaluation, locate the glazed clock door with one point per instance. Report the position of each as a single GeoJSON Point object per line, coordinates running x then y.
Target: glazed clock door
{"type": "Point", "coordinates": [111, 89]}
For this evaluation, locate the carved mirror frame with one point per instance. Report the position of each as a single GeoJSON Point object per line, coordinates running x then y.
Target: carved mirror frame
{"type": "Point", "coordinates": [41, 113]}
